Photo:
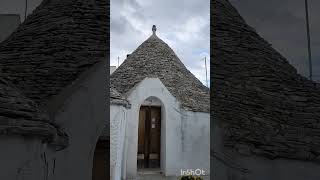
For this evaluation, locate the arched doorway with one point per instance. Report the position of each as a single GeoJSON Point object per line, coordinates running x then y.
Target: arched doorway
{"type": "Point", "coordinates": [149, 134]}
{"type": "Point", "coordinates": [101, 159]}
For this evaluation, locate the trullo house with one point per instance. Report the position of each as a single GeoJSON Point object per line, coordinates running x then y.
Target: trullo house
{"type": "Point", "coordinates": [159, 114]}
{"type": "Point", "coordinates": [53, 93]}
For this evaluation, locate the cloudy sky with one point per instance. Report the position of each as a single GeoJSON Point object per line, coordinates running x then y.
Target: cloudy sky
{"type": "Point", "coordinates": [184, 25]}
{"type": "Point", "coordinates": [283, 24]}
{"type": "Point", "coordinates": [17, 7]}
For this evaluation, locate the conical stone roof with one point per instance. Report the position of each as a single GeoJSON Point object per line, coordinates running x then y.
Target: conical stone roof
{"type": "Point", "coordinates": [21, 116]}
{"type": "Point", "coordinates": [54, 45]}
{"type": "Point", "coordinates": [155, 59]}
{"type": "Point", "coordinates": [264, 106]}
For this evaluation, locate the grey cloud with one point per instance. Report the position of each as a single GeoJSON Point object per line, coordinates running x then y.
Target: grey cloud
{"type": "Point", "coordinates": [282, 23]}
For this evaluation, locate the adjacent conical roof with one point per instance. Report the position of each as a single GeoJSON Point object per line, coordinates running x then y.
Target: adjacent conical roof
{"type": "Point", "coordinates": [56, 43]}
{"type": "Point", "coordinates": [13, 105]}
{"type": "Point", "coordinates": [21, 116]}
{"type": "Point", "coordinates": [117, 98]}
{"type": "Point", "coordinates": [154, 58]}
{"type": "Point", "coordinates": [264, 105]}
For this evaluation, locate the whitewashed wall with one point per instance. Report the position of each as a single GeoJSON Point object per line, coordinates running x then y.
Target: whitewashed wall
{"type": "Point", "coordinates": [112, 69]}
{"type": "Point", "coordinates": [81, 110]}
{"type": "Point", "coordinates": [279, 169]}
{"type": "Point", "coordinates": [265, 169]}
{"type": "Point", "coordinates": [178, 131]}
{"type": "Point", "coordinates": [230, 165]}
{"type": "Point", "coordinates": [21, 158]}
{"type": "Point", "coordinates": [196, 141]}
{"type": "Point", "coordinates": [170, 126]}
{"type": "Point", "coordinates": [117, 138]}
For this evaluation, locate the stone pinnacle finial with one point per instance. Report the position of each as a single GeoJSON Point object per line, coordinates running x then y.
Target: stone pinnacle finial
{"type": "Point", "coordinates": [154, 29]}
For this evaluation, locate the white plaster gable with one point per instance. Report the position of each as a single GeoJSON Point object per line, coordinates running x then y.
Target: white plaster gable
{"type": "Point", "coordinates": [58, 102]}
{"type": "Point", "coordinates": [150, 87]}
{"type": "Point", "coordinates": [117, 137]}
{"type": "Point", "coordinates": [81, 111]}
{"type": "Point", "coordinates": [152, 101]}
{"type": "Point", "coordinates": [171, 112]}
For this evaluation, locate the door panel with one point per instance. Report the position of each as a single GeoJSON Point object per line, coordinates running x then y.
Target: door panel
{"type": "Point", "coordinates": [141, 137]}
{"type": "Point", "coordinates": [155, 130]}
{"type": "Point", "coordinates": [149, 139]}
{"type": "Point", "coordinates": [141, 133]}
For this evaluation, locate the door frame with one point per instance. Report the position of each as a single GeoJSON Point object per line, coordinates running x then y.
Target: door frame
{"type": "Point", "coordinates": [170, 120]}
{"type": "Point", "coordinates": [104, 146]}
{"type": "Point", "coordinates": [147, 135]}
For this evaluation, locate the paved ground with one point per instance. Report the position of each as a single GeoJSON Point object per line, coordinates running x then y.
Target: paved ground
{"type": "Point", "coordinates": [161, 177]}
{"type": "Point", "coordinates": [155, 175]}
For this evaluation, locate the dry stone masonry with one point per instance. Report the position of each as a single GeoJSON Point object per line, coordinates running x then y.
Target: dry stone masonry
{"type": "Point", "coordinates": [265, 107]}
{"type": "Point", "coordinates": [21, 116]}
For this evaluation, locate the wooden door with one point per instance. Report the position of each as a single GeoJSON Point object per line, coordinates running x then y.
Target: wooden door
{"type": "Point", "coordinates": [100, 170]}
{"type": "Point", "coordinates": [149, 137]}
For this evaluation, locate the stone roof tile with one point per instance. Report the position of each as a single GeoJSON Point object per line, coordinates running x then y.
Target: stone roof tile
{"type": "Point", "coordinates": [54, 45]}
{"type": "Point", "coordinates": [265, 107]}
{"type": "Point", "coordinates": [21, 116]}
{"type": "Point", "coordinates": [154, 58]}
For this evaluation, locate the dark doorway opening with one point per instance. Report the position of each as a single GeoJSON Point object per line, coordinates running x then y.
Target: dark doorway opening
{"type": "Point", "coordinates": [149, 137]}
{"type": "Point", "coordinates": [100, 170]}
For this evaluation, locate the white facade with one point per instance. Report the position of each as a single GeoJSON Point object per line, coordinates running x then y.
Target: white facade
{"type": "Point", "coordinates": [81, 110]}
{"type": "Point", "coordinates": [185, 135]}
{"type": "Point", "coordinates": [118, 121]}
{"type": "Point", "coordinates": [20, 158]}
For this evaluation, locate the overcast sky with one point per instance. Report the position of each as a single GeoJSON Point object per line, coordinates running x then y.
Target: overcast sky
{"type": "Point", "coordinates": [184, 25]}
{"type": "Point", "coordinates": [283, 24]}
{"type": "Point", "coordinates": [18, 7]}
